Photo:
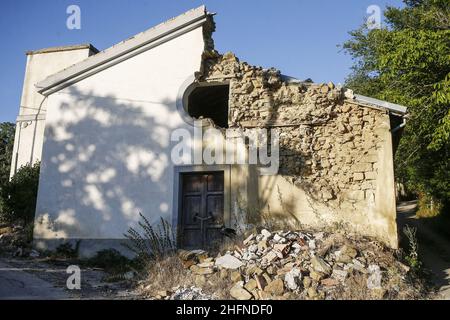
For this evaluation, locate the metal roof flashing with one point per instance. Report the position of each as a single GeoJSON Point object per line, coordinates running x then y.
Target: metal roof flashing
{"type": "Point", "coordinates": [393, 108]}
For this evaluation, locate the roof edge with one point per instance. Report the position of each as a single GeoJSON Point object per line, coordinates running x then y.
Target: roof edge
{"type": "Point", "coordinates": [95, 62]}
{"type": "Point", "coordinates": [63, 48]}
{"type": "Point", "coordinates": [392, 107]}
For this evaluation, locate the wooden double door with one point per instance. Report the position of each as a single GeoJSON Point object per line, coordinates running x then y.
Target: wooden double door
{"type": "Point", "coordinates": [202, 209]}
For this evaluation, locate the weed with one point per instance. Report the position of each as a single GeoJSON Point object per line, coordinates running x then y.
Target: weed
{"type": "Point", "coordinates": [153, 243]}
{"type": "Point", "coordinates": [412, 258]}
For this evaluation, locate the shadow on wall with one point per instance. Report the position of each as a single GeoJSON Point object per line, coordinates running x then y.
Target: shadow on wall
{"type": "Point", "coordinates": [260, 192]}
{"type": "Point", "coordinates": [104, 161]}
{"type": "Point", "coordinates": [107, 159]}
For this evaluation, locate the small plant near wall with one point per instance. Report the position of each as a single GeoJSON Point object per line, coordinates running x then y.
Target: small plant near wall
{"type": "Point", "coordinates": [154, 243]}
{"type": "Point", "coordinates": [413, 256]}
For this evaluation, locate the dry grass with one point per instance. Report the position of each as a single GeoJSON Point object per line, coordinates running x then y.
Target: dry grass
{"type": "Point", "coordinates": [165, 274]}
{"type": "Point", "coordinates": [218, 286]}
{"type": "Point", "coordinates": [428, 207]}
{"type": "Point", "coordinates": [355, 289]}
{"type": "Point", "coordinates": [168, 273]}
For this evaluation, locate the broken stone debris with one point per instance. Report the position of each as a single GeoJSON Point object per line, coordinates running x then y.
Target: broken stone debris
{"type": "Point", "coordinates": [277, 265]}
{"type": "Point", "coordinates": [374, 280]}
{"type": "Point", "coordinates": [190, 293]}
{"type": "Point", "coordinates": [292, 278]}
{"type": "Point", "coordinates": [14, 239]}
{"type": "Point", "coordinates": [228, 262]}
{"type": "Point", "coordinates": [239, 293]}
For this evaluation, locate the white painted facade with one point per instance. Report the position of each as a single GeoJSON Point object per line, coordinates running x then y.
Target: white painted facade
{"type": "Point", "coordinates": [33, 105]}
{"type": "Point", "coordinates": [107, 144]}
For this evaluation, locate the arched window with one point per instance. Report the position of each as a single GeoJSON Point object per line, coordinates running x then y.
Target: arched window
{"type": "Point", "coordinates": [208, 101]}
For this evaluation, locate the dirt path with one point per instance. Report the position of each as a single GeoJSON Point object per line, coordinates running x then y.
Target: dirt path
{"type": "Point", "coordinates": [434, 249]}
{"type": "Point", "coordinates": [38, 279]}
{"type": "Point", "coordinates": [17, 284]}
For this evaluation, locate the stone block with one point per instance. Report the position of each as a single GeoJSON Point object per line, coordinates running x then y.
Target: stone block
{"type": "Point", "coordinates": [358, 176]}
{"type": "Point", "coordinates": [356, 195]}
{"type": "Point", "coordinates": [362, 167]}
{"type": "Point", "coordinates": [370, 175]}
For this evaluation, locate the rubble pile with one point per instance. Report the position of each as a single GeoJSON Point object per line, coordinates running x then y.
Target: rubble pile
{"type": "Point", "coordinates": [191, 293]}
{"type": "Point", "coordinates": [15, 240]}
{"type": "Point", "coordinates": [302, 265]}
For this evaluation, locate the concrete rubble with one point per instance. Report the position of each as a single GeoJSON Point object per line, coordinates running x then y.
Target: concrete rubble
{"type": "Point", "coordinates": [15, 240]}
{"type": "Point", "coordinates": [191, 293]}
{"type": "Point", "coordinates": [285, 265]}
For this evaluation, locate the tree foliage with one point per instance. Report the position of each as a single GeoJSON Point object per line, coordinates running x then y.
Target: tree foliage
{"type": "Point", "coordinates": [6, 148]}
{"type": "Point", "coordinates": [408, 62]}
{"type": "Point", "coordinates": [18, 196]}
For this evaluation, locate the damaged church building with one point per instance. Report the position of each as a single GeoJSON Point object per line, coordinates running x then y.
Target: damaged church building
{"type": "Point", "coordinates": [106, 127]}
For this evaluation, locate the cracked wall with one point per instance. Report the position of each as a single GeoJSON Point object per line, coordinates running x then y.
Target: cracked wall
{"type": "Point", "coordinates": [330, 147]}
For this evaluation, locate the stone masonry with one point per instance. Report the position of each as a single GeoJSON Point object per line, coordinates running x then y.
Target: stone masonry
{"type": "Point", "coordinates": [328, 144]}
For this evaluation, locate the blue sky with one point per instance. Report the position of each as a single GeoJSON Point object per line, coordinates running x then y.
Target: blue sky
{"type": "Point", "coordinates": [298, 37]}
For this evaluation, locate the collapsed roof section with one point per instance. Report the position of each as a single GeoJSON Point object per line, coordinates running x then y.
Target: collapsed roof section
{"type": "Point", "coordinates": [277, 90]}
{"type": "Point", "coordinates": [158, 35]}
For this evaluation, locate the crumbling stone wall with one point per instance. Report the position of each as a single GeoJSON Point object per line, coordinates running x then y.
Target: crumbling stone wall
{"type": "Point", "coordinates": [328, 143]}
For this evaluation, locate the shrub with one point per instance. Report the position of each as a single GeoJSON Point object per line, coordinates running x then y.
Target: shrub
{"type": "Point", "coordinates": [7, 131]}
{"type": "Point", "coordinates": [153, 243]}
{"type": "Point", "coordinates": [111, 261]}
{"type": "Point", "coordinates": [428, 207]}
{"type": "Point", "coordinates": [66, 251]}
{"type": "Point", "coordinates": [18, 196]}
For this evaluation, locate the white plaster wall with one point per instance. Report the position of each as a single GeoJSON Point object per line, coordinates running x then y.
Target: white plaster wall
{"type": "Point", "coordinates": [31, 121]}
{"type": "Point", "coordinates": [39, 67]}
{"type": "Point", "coordinates": [107, 144]}
{"type": "Point", "coordinates": [28, 140]}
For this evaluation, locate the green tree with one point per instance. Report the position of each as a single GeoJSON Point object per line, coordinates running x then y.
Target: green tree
{"type": "Point", "coordinates": [18, 196]}
{"type": "Point", "coordinates": [408, 62]}
{"type": "Point", "coordinates": [7, 130]}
